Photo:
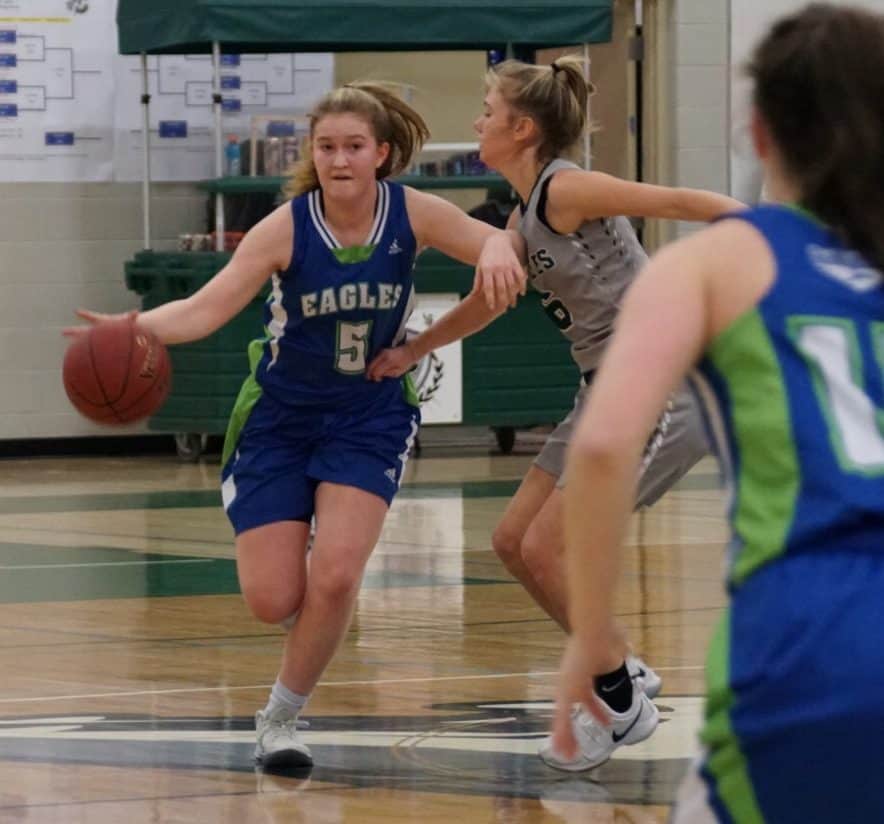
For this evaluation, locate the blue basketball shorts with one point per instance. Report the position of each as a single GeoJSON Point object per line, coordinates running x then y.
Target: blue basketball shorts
{"type": "Point", "coordinates": [282, 454]}
{"type": "Point", "coordinates": [794, 714]}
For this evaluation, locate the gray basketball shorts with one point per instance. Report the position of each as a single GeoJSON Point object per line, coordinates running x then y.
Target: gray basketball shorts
{"type": "Point", "coordinates": [676, 444]}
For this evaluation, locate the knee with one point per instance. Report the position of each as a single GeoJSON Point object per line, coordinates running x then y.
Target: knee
{"type": "Point", "coordinates": [335, 583]}
{"type": "Point", "coordinates": [539, 556]}
{"type": "Point", "coordinates": [271, 604]}
{"type": "Point", "coordinates": [507, 545]}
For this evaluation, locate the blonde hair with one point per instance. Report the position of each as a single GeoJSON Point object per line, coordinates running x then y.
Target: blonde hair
{"type": "Point", "coordinates": [554, 96]}
{"type": "Point", "coordinates": [391, 120]}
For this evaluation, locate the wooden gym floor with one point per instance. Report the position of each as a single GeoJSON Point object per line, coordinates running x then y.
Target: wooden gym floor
{"type": "Point", "coordinates": [131, 669]}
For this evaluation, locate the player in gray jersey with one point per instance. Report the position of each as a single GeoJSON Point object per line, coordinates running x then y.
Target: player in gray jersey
{"type": "Point", "coordinates": [581, 255]}
{"type": "Point", "coordinates": [582, 276]}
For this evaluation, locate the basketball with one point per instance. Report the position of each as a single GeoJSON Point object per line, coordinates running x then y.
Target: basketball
{"type": "Point", "coordinates": [117, 372]}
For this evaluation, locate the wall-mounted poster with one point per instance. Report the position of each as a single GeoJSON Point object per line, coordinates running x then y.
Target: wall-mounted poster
{"type": "Point", "coordinates": [439, 376]}
{"type": "Point", "coordinates": [56, 90]}
{"type": "Point", "coordinates": [181, 116]}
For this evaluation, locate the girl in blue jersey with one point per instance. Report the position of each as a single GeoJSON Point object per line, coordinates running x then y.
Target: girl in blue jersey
{"type": "Point", "coordinates": [310, 437]}
{"type": "Point", "coordinates": [783, 309]}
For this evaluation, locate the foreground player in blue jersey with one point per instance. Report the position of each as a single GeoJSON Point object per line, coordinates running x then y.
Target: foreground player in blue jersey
{"type": "Point", "coordinates": [783, 308]}
{"type": "Point", "coordinates": [309, 435]}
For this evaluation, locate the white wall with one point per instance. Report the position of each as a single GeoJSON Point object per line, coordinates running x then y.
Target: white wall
{"type": "Point", "coordinates": [710, 43]}
{"type": "Point", "coordinates": [750, 20]}
{"type": "Point", "coordinates": [699, 38]}
{"type": "Point", "coordinates": [63, 246]}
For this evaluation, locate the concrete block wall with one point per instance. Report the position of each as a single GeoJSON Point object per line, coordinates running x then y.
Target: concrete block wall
{"type": "Point", "coordinates": [63, 246]}
{"type": "Point", "coordinates": [750, 19]}
{"type": "Point", "coordinates": [700, 96]}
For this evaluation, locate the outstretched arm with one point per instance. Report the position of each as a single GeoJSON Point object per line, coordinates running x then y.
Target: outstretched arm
{"type": "Point", "coordinates": [576, 196]}
{"type": "Point", "coordinates": [688, 294]}
{"type": "Point", "coordinates": [440, 224]}
{"type": "Point", "coordinates": [468, 317]}
{"type": "Point", "coordinates": [265, 249]}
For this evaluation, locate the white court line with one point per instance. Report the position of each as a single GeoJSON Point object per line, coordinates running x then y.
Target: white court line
{"type": "Point", "coordinates": [182, 690]}
{"type": "Point", "coordinates": [105, 564]}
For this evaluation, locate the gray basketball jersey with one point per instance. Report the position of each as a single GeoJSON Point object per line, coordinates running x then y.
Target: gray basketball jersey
{"type": "Point", "coordinates": [581, 276]}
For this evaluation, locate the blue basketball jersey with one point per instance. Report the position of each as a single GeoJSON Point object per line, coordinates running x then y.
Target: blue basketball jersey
{"type": "Point", "coordinates": [795, 396]}
{"type": "Point", "coordinates": [335, 308]}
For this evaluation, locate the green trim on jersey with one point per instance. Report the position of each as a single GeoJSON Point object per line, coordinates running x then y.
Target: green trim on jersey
{"type": "Point", "coordinates": [726, 762]}
{"type": "Point", "coordinates": [354, 254]}
{"type": "Point", "coordinates": [409, 391]}
{"type": "Point", "coordinates": [805, 212]}
{"type": "Point", "coordinates": [249, 394]}
{"type": "Point", "coordinates": [768, 473]}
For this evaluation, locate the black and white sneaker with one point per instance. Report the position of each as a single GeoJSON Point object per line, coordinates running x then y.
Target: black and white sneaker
{"type": "Point", "coordinates": [643, 676]}
{"type": "Point", "coordinates": [596, 743]}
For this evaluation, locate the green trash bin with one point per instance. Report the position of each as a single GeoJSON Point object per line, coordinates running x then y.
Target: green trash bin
{"type": "Point", "coordinates": [206, 374]}
{"type": "Point", "coordinates": [517, 371]}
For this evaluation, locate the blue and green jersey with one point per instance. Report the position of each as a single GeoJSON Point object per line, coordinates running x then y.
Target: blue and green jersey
{"type": "Point", "coordinates": [795, 395]}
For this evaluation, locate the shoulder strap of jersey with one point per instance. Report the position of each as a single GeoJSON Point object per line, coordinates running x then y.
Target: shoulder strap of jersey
{"type": "Point", "coordinates": [300, 217]}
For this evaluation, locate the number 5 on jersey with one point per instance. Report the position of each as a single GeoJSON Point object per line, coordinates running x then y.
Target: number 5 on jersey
{"type": "Point", "coordinates": [352, 346]}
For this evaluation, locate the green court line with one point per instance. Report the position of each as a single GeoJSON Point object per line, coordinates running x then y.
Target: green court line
{"type": "Point", "coordinates": [39, 573]}
{"type": "Point", "coordinates": [91, 502]}
{"type": "Point", "coordinates": [34, 573]}
{"type": "Point", "coordinates": [205, 498]}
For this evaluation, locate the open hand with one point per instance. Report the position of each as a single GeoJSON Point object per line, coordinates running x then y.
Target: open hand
{"type": "Point", "coordinates": [93, 318]}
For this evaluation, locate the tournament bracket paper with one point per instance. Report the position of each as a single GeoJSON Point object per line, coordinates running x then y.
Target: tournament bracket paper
{"type": "Point", "coordinates": [56, 90]}
{"type": "Point", "coordinates": [181, 117]}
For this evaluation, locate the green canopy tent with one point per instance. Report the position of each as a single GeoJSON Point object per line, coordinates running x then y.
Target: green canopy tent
{"type": "Point", "coordinates": [240, 26]}
{"type": "Point", "coordinates": [191, 26]}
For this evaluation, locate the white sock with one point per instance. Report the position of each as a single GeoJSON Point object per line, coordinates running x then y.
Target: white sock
{"type": "Point", "coordinates": [282, 696]}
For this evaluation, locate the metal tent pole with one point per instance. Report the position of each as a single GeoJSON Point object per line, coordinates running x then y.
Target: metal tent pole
{"type": "Point", "coordinates": [145, 153]}
{"type": "Point", "coordinates": [219, 157]}
{"type": "Point", "coordinates": [637, 49]}
{"type": "Point", "coordinates": [587, 141]}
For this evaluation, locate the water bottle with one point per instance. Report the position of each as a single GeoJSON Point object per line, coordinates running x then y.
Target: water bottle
{"type": "Point", "coordinates": [233, 157]}
{"type": "Point", "coordinates": [495, 56]}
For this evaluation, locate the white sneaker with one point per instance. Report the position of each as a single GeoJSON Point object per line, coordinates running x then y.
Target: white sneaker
{"type": "Point", "coordinates": [595, 743]}
{"type": "Point", "coordinates": [643, 676]}
{"type": "Point", "coordinates": [278, 742]}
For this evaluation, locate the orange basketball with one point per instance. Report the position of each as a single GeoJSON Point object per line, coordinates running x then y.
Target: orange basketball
{"type": "Point", "coordinates": [117, 372]}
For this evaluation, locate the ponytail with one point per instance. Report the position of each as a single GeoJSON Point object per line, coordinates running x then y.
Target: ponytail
{"type": "Point", "coordinates": [556, 97]}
